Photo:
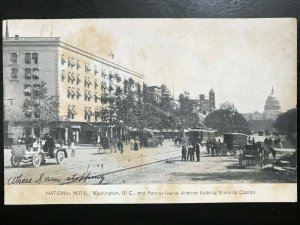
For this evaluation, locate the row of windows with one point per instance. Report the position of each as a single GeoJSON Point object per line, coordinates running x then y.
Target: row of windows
{"type": "Point", "coordinates": [31, 89]}
{"type": "Point", "coordinates": [30, 58]}
{"type": "Point", "coordinates": [72, 93]}
{"type": "Point", "coordinates": [87, 112]}
{"type": "Point", "coordinates": [71, 79]}
{"type": "Point", "coordinates": [72, 64]}
{"type": "Point", "coordinates": [87, 68]}
{"type": "Point", "coordinates": [35, 113]}
{"type": "Point", "coordinates": [29, 73]}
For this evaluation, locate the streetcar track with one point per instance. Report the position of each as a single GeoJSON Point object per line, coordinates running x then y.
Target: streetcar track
{"type": "Point", "coordinates": [129, 168]}
{"type": "Point", "coordinates": [120, 159]}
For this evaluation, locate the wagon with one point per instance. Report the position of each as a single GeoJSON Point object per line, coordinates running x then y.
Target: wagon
{"type": "Point", "coordinates": [251, 154]}
{"type": "Point", "coordinates": [35, 154]}
{"type": "Point", "coordinates": [234, 142]}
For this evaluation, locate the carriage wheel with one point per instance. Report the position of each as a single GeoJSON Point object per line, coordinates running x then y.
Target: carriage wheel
{"type": "Point", "coordinates": [36, 160]}
{"type": "Point", "coordinates": [15, 160]}
{"type": "Point", "coordinates": [233, 152]}
{"type": "Point", "coordinates": [60, 157]}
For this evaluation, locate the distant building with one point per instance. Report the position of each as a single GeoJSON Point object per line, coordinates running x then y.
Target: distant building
{"type": "Point", "coordinates": [264, 121]}
{"type": "Point", "coordinates": [152, 94]}
{"type": "Point", "coordinates": [207, 105]}
{"type": "Point", "coordinates": [272, 107]}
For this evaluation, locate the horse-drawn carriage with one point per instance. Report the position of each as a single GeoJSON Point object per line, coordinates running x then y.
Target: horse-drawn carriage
{"type": "Point", "coordinates": [234, 142]}
{"type": "Point", "coordinates": [35, 153]}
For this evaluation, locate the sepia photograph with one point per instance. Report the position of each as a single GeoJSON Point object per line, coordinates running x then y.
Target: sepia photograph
{"type": "Point", "coordinates": [150, 110]}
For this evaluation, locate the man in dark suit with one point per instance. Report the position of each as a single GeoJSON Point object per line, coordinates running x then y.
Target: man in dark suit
{"type": "Point", "coordinates": [198, 152]}
{"type": "Point", "coordinates": [183, 153]}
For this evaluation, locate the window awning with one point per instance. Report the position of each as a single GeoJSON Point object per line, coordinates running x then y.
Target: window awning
{"type": "Point", "coordinates": [63, 60]}
{"type": "Point", "coordinates": [96, 70]}
{"type": "Point", "coordinates": [27, 89]}
{"type": "Point", "coordinates": [78, 65]}
{"type": "Point", "coordinates": [97, 95]}
{"type": "Point", "coordinates": [78, 92]}
{"type": "Point", "coordinates": [71, 76]}
{"type": "Point", "coordinates": [88, 94]}
{"type": "Point", "coordinates": [87, 80]}
{"type": "Point", "coordinates": [63, 74]}
{"type": "Point", "coordinates": [88, 111]}
{"type": "Point", "coordinates": [78, 78]}
{"type": "Point", "coordinates": [87, 67]}
{"type": "Point", "coordinates": [71, 91]}
{"type": "Point", "coordinates": [71, 110]}
{"type": "Point", "coordinates": [71, 62]}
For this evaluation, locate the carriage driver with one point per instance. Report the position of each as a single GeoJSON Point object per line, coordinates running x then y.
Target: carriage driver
{"type": "Point", "coordinates": [49, 144]}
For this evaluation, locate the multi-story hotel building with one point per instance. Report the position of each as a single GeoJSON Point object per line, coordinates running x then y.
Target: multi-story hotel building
{"type": "Point", "coordinates": [77, 76]}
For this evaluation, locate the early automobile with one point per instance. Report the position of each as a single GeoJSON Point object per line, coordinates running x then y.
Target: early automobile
{"type": "Point", "coordinates": [34, 153]}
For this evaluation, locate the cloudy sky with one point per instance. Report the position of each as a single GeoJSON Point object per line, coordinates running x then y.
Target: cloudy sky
{"type": "Point", "coordinates": [241, 59]}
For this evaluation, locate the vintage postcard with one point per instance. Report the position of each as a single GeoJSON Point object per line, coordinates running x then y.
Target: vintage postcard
{"type": "Point", "coordinates": [150, 110]}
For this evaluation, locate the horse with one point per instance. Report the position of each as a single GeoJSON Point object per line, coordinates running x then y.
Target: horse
{"type": "Point", "coordinates": [268, 150]}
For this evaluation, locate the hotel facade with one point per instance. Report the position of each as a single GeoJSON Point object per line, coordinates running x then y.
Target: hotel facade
{"type": "Point", "coordinates": [77, 76]}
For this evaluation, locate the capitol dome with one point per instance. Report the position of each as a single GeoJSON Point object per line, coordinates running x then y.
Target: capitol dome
{"type": "Point", "coordinates": [272, 103]}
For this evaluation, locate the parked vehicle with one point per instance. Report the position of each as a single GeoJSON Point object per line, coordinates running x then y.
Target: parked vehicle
{"type": "Point", "coordinates": [234, 141]}
{"type": "Point", "coordinates": [261, 133]}
{"type": "Point", "coordinates": [35, 154]}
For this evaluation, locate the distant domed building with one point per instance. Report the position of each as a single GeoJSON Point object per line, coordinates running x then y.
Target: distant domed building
{"type": "Point", "coordinates": [272, 107]}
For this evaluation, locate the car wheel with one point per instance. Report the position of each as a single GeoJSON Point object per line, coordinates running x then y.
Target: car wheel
{"type": "Point", "coordinates": [36, 160]}
{"type": "Point", "coordinates": [60, 157]}
{"type": "Point", "coordinates": [15, 160]}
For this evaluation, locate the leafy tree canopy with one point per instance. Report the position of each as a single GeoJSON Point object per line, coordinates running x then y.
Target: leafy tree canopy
{"type": "Point", "coordinates": [226, 120]}
{"type": "Point", "coordinates": [287, 123]}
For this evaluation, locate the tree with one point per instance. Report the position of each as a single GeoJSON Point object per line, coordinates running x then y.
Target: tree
{"type": "Point", "coordinates": [167, 109]}
{"type": "Point", "coordinates": [287, 123]}
{"type": "Point", "coordinates": [227, 106]}
{"type": "Point", "coordinates": [43, 108]}
{"type": "Point", "coordinates": [225, 120]}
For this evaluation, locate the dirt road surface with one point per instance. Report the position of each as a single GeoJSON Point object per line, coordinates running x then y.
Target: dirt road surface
{"type": "Point", "coordinates": [151, 165]}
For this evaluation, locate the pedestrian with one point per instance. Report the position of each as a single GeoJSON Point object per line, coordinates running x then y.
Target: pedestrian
{"type": "Point", "coordinates": [131, 142]}
{"type": "Point", "coordinates": [193, 152]}
{"type": "Point", "coordinates": [183, 153]}
{"type": "Point", "coordinates": [188, 156]}
{"type": "Point", "coordinates": [207, 146]}
{"type": "Point", "coordinates": [212, 148]}
{"type": "Point", "coordinates": [270, 142]}
{"type": "Point", "coordinates": [190, 153]}
{"type": "Point", "coordinates": [49, 145]}
{"type": "Point", "coordinates": [120, 146]}
{"type": "Point", "coordinates": [198, 152]}
{"type": "Point", "coordinates": [135, 145]}
{"type": "Point", "coordinates": [69, 142]}
{"type": "Point", "coordinates": [72, 149]}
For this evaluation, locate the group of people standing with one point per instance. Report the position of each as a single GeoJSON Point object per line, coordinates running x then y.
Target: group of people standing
{"type": "Point", "coordinates": [269, 142]}
{"type": "Point", "coordinates": [188, 152]}
{"type": "Point", "coordinates": [134, 144]}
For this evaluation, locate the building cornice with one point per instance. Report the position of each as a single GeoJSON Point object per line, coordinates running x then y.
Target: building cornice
{"type": "Point", "coordinates": [57, 41]}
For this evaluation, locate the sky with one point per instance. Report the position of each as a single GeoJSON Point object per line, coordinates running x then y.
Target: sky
{"type": "Point", "coordinates": [241, 59]}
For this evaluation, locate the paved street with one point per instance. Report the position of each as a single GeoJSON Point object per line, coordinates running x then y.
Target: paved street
{"type": "Point", "coordinates": [162, 166]}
